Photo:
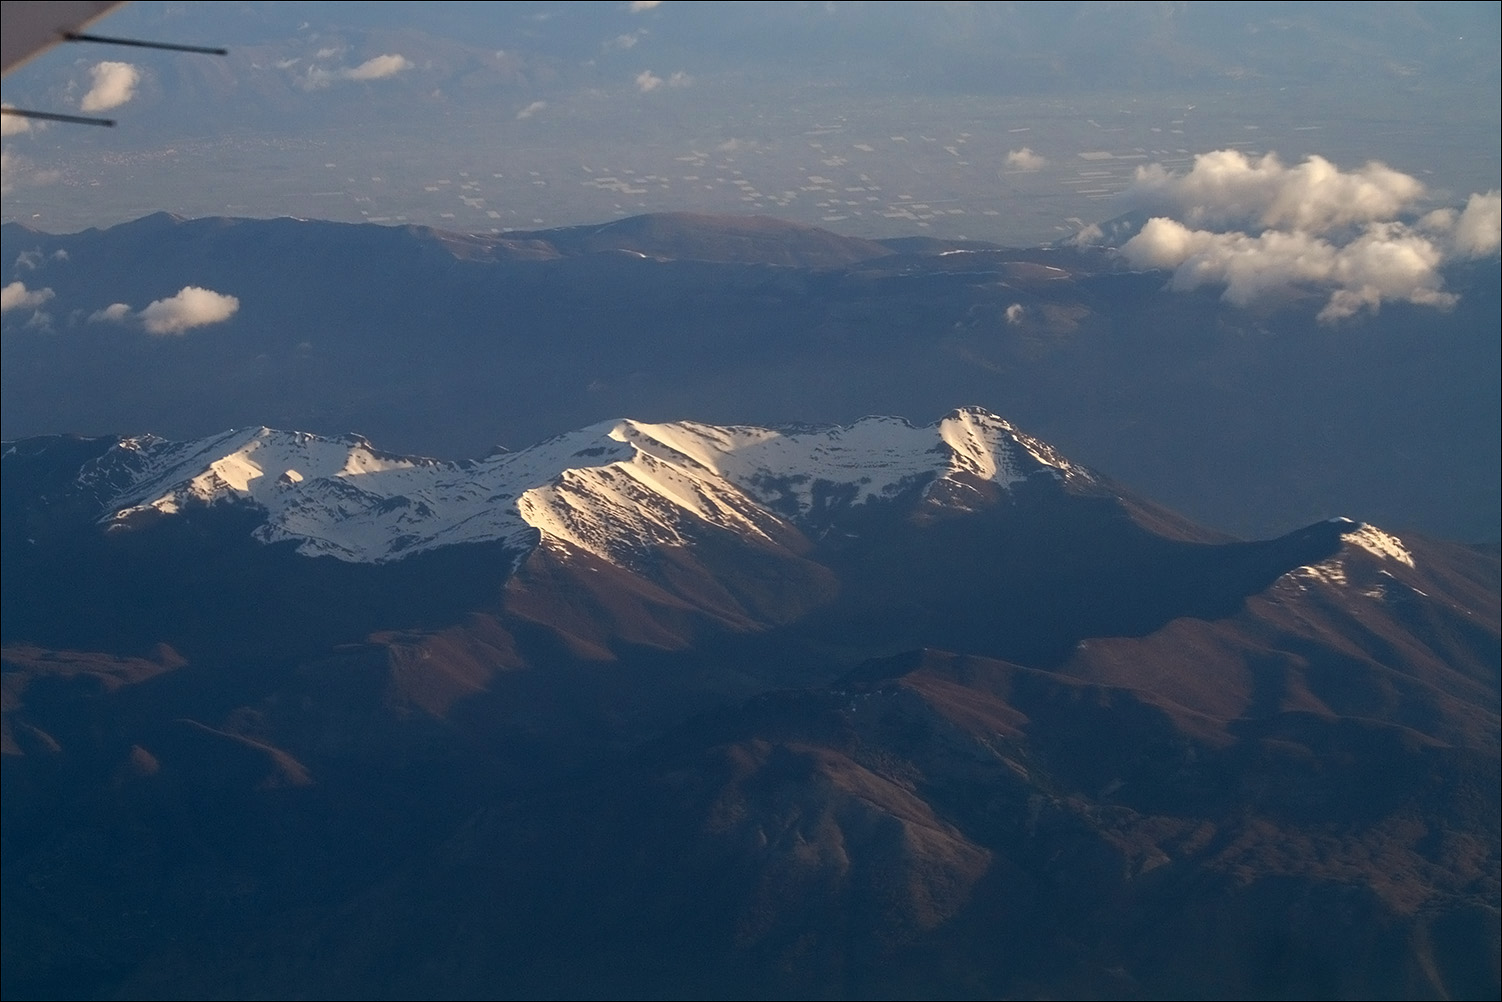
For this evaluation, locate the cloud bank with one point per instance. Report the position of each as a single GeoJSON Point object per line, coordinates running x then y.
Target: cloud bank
{"type": "Point", "coordinates": [114, 84]}
{"type": "Point", "coordinates": [530, 110]}
{"type": "Point", "coordinates": [1387, 261]}
{"type": "Point", "coordinates": [1228, 188]}
{"type": "Point", "coordinates": [1263, 229]}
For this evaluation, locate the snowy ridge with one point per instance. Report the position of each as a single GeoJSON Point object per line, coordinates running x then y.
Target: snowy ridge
{"type": "Point", "coordinates": [1369, 538]}
{"type": "Point", "coordinates": [235, 464]}
{"type": "Point", "coordinates": [612, 489]}
{"type": "Point", "coordinates": [1379, 543]}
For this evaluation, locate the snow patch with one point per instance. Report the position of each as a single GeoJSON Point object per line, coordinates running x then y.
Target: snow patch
{"type": "Point", "coordinates": [1331, 572]}
{"type": "Point", "coordinates": [1375, 541]}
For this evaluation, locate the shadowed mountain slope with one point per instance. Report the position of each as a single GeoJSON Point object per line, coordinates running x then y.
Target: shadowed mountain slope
{"type": "Point", "coordinates": [862, 711]}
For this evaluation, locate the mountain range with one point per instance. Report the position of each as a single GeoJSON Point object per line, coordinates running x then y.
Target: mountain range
{"type": "Point", "coordinates": [1253, 419]}
{"type": "Point", "coordinates": [681, 709]}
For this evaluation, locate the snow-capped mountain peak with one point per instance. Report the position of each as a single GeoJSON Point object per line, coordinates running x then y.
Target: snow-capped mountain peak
{"type": "Point", "coordinates": [609, 489]}
{"type": "Point", "coordinates": [1359, 538]}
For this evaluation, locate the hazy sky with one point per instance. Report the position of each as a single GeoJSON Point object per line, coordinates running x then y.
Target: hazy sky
{"type": "Point", "coordinates": [1014, 123]}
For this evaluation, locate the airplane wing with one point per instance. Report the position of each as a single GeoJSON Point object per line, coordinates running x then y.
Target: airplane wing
{"type": "Point", "coordinates": [31, 28]}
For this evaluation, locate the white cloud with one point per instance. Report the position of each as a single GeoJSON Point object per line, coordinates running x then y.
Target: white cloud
{"type": "Point", "coordinates": [115, 313]}
{"type": "Point", "coordinates": [1352, 233]}
{"type": "Point", "coordinates": [379, 68]}
{"type": "Point", "coordinates": [530, 110]}
{"type": "Point", "coordinates": [191, 307]}
{"type": "Point", "coordinates": [16, 171]}
{"type": "Point", "coordinates": [647, 81]}
{"type": "Point", "coordinates": [621, 43]}
{"type": "Point", "coordinates": [1088, 236]}
{"type": "Point", "coordinates": [114, 84]}
{"type": "Point", "coordinates": [16, 296]}
{"type": "Point", "coordinates": [1014, 314]}
{"type": "Point", "coordinates": [1478, 231]}
{"type": "Point", "coordinates": [1026, 159]}
{"type": "Point", "coordinates": [15, 125]}
{"type": "Point", "coordinates": [376, 68]}
{"type": "Point", "coordinates": [1227, 187]}
{"type": "Point", "coordinates": [1388, 261]}
{"type": "Point", "coordinates": [33, 259]}
{"type": "Point", "coordinates": [637, 6]}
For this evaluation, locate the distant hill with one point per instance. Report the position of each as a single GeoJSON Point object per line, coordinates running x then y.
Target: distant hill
{"type": "Point", "coordinates": [686, 236]}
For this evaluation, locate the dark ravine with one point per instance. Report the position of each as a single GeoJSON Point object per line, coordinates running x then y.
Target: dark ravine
{"type": "Point", "coordinates": [1051, 741]}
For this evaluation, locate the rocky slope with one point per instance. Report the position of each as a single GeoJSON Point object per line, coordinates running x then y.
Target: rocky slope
{"type": "Point", "coordinates": [679, 709]}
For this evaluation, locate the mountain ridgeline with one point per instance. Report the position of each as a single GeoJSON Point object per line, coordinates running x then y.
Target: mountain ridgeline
{"type": "Point", "coordinates": [1253, 420]}
{"type": "Point", "coordinates": [679, 708]}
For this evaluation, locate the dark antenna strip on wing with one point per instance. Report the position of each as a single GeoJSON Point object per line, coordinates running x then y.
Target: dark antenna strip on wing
{"type": "Point", "coordinates": [109, 123]}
